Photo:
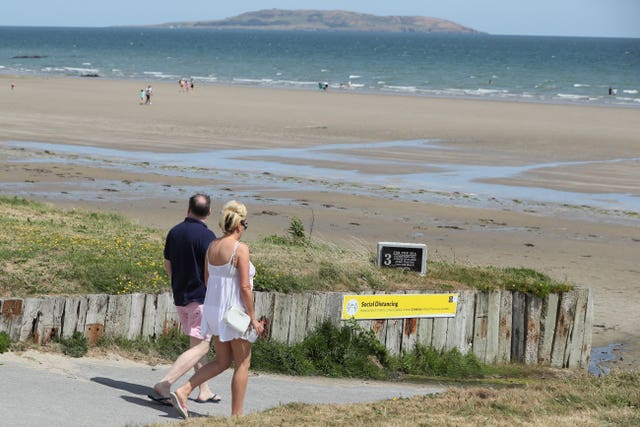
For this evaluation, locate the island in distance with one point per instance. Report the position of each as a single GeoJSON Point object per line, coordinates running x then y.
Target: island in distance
{"type": "Point", "coordinates": [326, 20]}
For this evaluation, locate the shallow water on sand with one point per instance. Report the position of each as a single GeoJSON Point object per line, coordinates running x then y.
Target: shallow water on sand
{"type": "Point", "coordinates": [290, 168]}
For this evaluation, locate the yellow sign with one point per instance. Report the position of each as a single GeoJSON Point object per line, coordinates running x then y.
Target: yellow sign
{"type": "Point", "coordinates": [399, 306]}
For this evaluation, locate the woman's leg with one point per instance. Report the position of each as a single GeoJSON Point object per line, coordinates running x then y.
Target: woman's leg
{"type": "Point", "coordinates": [241, 351]}
{"type": "Point", "coordinates": [221, 362]}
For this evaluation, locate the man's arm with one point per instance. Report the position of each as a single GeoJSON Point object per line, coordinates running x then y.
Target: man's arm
{"type": "Point", "coordinates": [167, 266]}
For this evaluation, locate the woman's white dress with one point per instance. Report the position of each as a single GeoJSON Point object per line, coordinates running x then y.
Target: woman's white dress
{"type": "Point", "coordinates": [223, 291]}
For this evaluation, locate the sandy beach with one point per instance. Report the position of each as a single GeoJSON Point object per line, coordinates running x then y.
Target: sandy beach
{"type": "Point", "coordinates": [551, 187]}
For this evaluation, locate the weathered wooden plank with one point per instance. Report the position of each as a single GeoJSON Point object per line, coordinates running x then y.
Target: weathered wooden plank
{"type": "Point", "coordinates": [70, 318]}
{"type": "Point", "coordinates": [298, 320]}
{"type": "Point", "coordinates": [52, 310]}
{"type": "Point", "coordinates": [457, 326]}
{"type": "Point", "coordinates": [439, 338]}
{"type": "Point", "coordinates": [532, 339]}
{"type": "Point", "coordinates": [166, 315]}
{"type": "Point", "coordinates": [504, 331]}
{"type": "Point", "coordinates": [493, 326]}
{"type": "Point", "coordinates": [30, 326]}
{"type": "Point", "coordinates": [425, 331]}
{"type": "Point", "coordinates": [518, 327]}
{"type": "Point", "coordinates": [585, 359]}
{"type": "Point", "coordinates": [150, 312]}
{"type": "Point", "coordinates": [97, 308]}
{"type": "Point", "coordinates": [548, 320]}
{"type": "Point", "coordinates": [11, 317]}
{"type": "Point", "coordinates": [409, 334]}
{"type": "Point", "coordinates": [281, 317]}
{"type": "Point", "coordinates": [118, 316]}
{"type": "Point", "coordinates": [136, 318]}
{"type": "Point", "coordinates": [394, 336]}
{"type": "Point", "coordinates": [263, 306]}
{"type": "Point", "coordinates": [564, 325]}
{"type": "Point", "coordinates": [315, 313]}
{"type": "Point", "coordinates": [333, 307]}
{"type": "Point", "coordinates": [574, 357]}
{"type": "Point", "coordinates": [480, 325]}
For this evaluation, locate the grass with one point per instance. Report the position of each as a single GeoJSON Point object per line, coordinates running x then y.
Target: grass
{"type": "Point", "coordinates": [47, 251]}
{"type": "Point", "coordinates": [561, 399]}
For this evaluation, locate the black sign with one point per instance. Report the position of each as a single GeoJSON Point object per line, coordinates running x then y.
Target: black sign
{"type": "Point", "coordinates": [403, 255]}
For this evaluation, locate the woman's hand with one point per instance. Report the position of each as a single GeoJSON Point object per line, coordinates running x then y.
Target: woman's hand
{"type": "Point", "coordinates": [257, 325]}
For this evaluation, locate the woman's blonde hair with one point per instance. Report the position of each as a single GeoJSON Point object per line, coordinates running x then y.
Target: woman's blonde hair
{"type": "Point", "coordinates": [233, 213]}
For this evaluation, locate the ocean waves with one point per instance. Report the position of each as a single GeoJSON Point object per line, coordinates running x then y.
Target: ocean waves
{"type": "Point", "coordinates": [540, 69]}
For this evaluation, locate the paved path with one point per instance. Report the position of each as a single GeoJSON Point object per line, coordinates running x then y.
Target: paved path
{"type": "Point", "coordinates": [54, 390]}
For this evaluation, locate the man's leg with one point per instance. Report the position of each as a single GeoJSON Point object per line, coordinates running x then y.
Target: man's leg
{"type": "Point", "coordinates": [195, 357]}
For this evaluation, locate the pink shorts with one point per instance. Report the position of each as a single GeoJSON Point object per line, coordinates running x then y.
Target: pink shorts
{"type": "Point", "coordinates": [190, 317]}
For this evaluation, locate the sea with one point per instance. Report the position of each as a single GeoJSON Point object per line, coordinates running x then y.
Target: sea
{"type": "Point", "coordinates": [576, 70]}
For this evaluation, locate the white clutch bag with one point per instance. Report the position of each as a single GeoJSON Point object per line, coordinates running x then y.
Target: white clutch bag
{"type": "Point", "coordinates": [237, 319]}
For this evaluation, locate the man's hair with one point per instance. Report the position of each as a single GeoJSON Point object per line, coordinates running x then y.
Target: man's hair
{"type": "Point", "coordinates": [200, 205]}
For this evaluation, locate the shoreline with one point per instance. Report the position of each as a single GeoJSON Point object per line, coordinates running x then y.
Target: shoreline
{"type": "Point", "coordinates": [335, 89]}
{"type": "Point", "coordinates": [105, 114]}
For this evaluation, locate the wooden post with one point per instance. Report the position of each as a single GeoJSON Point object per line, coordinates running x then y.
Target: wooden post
{"type": "Point", "coordinates": [588, 325]}
{"type": "Point", "coordinates": [564, 325]}
{"type": "Point", "coordinates": [149, 317]}
{"type": "Point", "coordinates": [298, 320]}
{"type": "Point", "coordinates": [70, 321]}
{"type": "Point", "coordinates": [425, 331]}
{"type": "Point", "coordinates": [493, 326]}
{"type": "Point", "coordinates": [548, 319]}
{"type": "Point", "coordinates": [136, 318]}
{"type": "Point", "coordinates": [316, 312]}
{"type": "Point", "coordinates": [518, 327]}
{"type": "Point", "coordinates": [532, 339]}
{"type": "Point", "coordinates": [460, 327]}
{"type": "Point", "coordinates": [11, 317]}
{"type": "Point", "coordinates": [480, 325]}
{"type": "Point", "coordinates": [31, 325]}
{"type": "Point", "coordinates": [504, 327]}
{"type": "Point", "coordinates": [439, 338]}
{"type": "Point", "coordinates": [281, 317]}
{"type": "Point", "coordinates": [574, 358]}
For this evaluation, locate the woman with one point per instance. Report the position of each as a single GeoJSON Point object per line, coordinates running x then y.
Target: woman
{"type": "Point", "coordinates": [229, 277]}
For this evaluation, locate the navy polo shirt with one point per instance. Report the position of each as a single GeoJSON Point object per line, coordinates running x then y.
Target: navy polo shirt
{"type": "Point", "coordinates": [186, 248]}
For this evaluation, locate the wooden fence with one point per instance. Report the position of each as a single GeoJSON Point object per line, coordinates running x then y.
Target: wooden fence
{"type": "Point", "coordinates": [497, 326]}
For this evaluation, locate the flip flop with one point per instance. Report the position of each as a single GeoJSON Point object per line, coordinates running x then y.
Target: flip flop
{"type": "Point", "coordinates": [180, 407]}
{"type": "Point", "coordinates": [213, 399]}
{"type": "Point", "coordinates": [166, 401]}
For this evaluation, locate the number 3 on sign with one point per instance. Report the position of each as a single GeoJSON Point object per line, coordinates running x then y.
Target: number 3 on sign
{"type": "Point", "coordinates": [387, 259]}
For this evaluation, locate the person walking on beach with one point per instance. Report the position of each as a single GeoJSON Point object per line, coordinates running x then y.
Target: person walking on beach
{"type": "Point", "coordinates": [142, 96]}
{"type": "Point", "coordinates": [147, 95]}
{"type": "Point", "coordinates": [184, 259]}
{"type": "Point", "coordinates": [229, 277]}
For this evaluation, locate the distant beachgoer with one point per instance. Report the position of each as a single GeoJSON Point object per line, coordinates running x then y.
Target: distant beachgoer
{"type": "Point", "coordinates": [191, 83]}
{"type": "Point", "coordinates": [147, 95]}
{"type": "Point", "coordinates": [142, 96]}
{"type": "Point", "coordinates": [181, 83]}
{"type": "Point", "coordinates": [323, 85]}
{"type": "Point", "coordinates": [13, 85]}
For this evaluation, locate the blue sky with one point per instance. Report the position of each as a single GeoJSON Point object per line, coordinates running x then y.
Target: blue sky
{"type": "Point", "coordinates": [598, 18]}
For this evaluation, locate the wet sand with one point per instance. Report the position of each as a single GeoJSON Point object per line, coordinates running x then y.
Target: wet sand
{"type": "Point", "coordinates": [552, 187]}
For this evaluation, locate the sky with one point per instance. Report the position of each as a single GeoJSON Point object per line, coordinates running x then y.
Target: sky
{"type": "Point", "coordinates": [588, 18]}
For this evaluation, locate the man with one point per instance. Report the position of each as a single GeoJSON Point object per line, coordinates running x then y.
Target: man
{"type": "Point", "coordinates": [184, 259]}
